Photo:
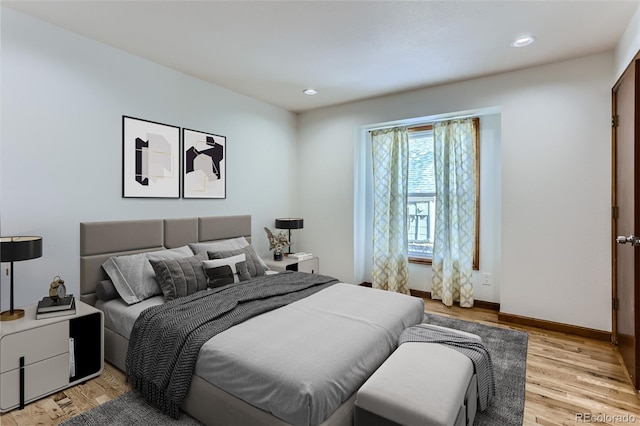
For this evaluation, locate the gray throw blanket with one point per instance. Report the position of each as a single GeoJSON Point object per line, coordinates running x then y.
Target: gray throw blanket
{"type": "Point", "coordinates": [470, 347]}
{"type": "Point", "coordinates": [166, 339]}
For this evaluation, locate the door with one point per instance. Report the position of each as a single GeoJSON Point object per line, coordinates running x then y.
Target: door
{"type": "Point", "coordinates": [626, 221]}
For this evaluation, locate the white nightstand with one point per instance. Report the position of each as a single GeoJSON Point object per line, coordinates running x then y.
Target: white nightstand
{"type": "Point", "coordinates": [35, 354]}
{"type": "Point", "coordinates": [311, 264]}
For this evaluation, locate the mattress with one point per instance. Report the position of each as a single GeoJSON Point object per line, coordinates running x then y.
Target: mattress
{"type": "Point", "coordinates": [301, 361]}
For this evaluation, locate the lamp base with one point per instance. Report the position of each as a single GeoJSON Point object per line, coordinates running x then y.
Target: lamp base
{"type": "Point", "coordinates": [8, 316]}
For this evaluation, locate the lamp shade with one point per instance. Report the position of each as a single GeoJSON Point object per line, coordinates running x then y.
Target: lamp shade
{"type": "Point", "coordinates": [289, 223]}
{"type": "Point", "coordinates": [14, 249]}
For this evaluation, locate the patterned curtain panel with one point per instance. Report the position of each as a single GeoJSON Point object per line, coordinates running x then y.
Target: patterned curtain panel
{"type": "Point", "coordinates": [455, 222]}
{"type": "Point", "coordinates": [390, 182]}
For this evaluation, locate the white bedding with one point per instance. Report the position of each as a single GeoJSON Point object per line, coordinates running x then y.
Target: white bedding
{"type": "Point", "coordinates": [299, 362]}
{"type": "Point", "coordinates": [120, 317]}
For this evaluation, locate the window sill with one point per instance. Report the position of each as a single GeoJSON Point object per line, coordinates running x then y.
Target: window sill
{"type": "Point", "coordinates": [420, 260]}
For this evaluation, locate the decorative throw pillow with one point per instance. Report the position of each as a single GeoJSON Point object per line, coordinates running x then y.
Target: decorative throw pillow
{"type": "Point", "coordinates": [133, 276]}
{"type": "Point", "coordinates": [226, 271]}
{"type": "Point", "coordinates": [253, 261]}
{"type": "Point", "coordinates": [180, 277]}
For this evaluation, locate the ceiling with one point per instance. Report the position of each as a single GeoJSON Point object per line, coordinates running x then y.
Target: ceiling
{"type": "Point", "coordinates": [347, 50]}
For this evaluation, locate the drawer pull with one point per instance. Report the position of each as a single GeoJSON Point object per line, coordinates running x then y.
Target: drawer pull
{"type": "Point", "coordinates": [22, 383]}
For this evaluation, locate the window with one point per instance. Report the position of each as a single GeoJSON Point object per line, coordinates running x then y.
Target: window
{"type": "Point", "coordinates": [422, 194]}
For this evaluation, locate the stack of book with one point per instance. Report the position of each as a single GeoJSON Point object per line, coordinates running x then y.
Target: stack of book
{"type": "Point", "coordinates": [47, 308]}
{"type": "Point", "coordinates": [301, 255]}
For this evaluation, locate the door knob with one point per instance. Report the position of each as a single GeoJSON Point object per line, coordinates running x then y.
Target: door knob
{"type": "Point", "coordinates": [628, 240]}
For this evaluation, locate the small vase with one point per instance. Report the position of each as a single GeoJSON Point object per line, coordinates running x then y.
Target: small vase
{"type": "Point", "coordinates": [277, 255]}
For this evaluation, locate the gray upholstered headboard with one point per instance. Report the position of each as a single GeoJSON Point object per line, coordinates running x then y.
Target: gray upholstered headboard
{"type": "Point", "coordinates": [101, 240]}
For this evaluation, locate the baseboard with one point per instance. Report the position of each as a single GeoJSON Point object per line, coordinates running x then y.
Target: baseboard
{"type": "Point", "coordinates": [420, 293]}
{"type": "Point", "coordinates": [576, 330]}
{"type": "Point", "coordinates": [492, 306]}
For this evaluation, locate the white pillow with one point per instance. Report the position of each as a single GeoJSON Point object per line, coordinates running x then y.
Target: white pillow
{"type": "Point", "coordinates": [133, 275]}
{"type": "Point", "coordinates": [226, 271]}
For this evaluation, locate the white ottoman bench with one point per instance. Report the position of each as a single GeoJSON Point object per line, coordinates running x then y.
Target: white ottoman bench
{"type": "Point", "coordinates": [421, 384]}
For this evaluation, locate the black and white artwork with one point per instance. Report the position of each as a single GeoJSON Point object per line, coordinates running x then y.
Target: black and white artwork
{"type": "Point", "coordinates": [150, 160]}
{"type": "Point", "coordinates": [204, 165]}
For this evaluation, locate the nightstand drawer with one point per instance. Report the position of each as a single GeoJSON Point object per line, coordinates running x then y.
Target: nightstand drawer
{"type": "Point", "coordinates": [309, 265]}
{"type": "Point", "coordinates": [34, 345]}
{"type": "Point", "coordinates": [40, 378]}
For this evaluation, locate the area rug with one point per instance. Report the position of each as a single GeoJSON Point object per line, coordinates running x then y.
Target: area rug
{"type": "Point", "coordinates": [126, 410]}
{"type": "Point", "coordinates": [508, 349]}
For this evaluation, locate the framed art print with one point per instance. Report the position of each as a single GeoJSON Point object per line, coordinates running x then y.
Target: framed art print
{"type": "Point", "coordinates": [204, 165]}
{"type": "Point", "coordinates": [150, 159]}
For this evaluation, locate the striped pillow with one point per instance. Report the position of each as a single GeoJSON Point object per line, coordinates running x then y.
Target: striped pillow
{"type": "Point", "coordinates": [180, 277]}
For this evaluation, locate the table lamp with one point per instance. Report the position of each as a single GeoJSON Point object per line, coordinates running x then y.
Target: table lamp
{"type": "Point", "coordinates": [15, 249]}
{"type": "Point", "coordinates": [290, 223]}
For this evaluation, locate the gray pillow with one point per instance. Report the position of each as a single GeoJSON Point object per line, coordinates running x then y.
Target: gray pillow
{"type": "Point", "coordinates": [105, 290]}
{"type": "Point", "coordinates": [218, 245]}
{"type": "Point", "coordinates": [226, 271]}
{"type": "Point", "coordinates": [253, 261]}
{"type": "Point", "coordinates": [180, 277]}
{"type": "Point", "coordinates": [224, 245]}
{"type": "Point", "coordinates": [133, 276]}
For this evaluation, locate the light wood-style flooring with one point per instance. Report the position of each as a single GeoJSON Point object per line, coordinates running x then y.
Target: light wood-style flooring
{"type": "Point", "coordinates": [566, 377]}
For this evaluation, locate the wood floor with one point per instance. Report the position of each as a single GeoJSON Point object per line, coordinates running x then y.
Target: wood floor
{"type": "Point", "coordinates": [567, 377]}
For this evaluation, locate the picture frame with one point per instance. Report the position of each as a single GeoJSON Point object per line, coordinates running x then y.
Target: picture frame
{"type": "Point", "coordinates": [204, 165]}
{"type": "Point", "coordinates": [150, 159]}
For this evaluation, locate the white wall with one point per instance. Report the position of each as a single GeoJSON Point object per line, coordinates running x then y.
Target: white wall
{"type": "Point", "coordinates": [554, 259]}
{"type": "Point", "coordinates": [629, 44]}
{"type": "Point", "coordinates": [63, 97]}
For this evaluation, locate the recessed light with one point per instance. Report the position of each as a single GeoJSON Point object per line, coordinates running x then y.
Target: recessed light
{"type": "Point", "coordinates": [309, 91]}
{"type": "Point", "coordinates": [523, 41]}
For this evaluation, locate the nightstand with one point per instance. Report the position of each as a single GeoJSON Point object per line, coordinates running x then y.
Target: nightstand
{"type": "Point", "coordinates": [36, 355]}
{"type": "Point", "coordinates": [310, 264]}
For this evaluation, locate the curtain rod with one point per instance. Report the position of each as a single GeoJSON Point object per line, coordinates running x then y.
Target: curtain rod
{"type": "Point", "coordinates": [424, 123]}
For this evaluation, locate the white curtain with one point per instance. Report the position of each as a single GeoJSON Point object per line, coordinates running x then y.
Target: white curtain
{"type": "Point", "coordinates": [390, 182]}
{"type": "Point", "coordinates": [455, 222]}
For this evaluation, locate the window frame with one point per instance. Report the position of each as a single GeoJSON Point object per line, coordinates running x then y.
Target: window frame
{"type": "Point", "coordinates": [419, 129]}
{"type": "Point", "coordinates": [476, 246]}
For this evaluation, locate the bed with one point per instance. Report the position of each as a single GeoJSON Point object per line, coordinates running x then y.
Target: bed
{"type": "Point", "coordinates": [297, 364]}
